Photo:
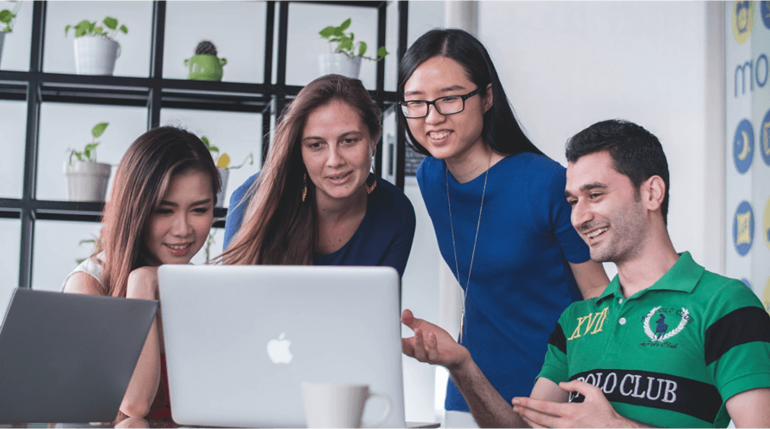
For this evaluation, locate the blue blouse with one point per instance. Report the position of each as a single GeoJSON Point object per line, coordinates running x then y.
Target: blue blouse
{"type": "Point", "coordinates": [384, 237]}
{"type": "Point", "coordinates": [521, 280]}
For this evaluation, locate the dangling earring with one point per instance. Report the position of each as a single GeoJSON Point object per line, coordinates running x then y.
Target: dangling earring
{"type": "Point", "coordinates": [369, 187]}
{"type": "Point", "coordinates": [304, 186]}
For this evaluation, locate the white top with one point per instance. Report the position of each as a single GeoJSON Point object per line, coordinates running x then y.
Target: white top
{"type": "Point", "coordinates": [90, 266]}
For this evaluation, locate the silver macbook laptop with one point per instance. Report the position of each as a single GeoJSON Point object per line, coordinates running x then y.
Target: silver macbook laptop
{"type": "Point", "coordinates": [240, 340]}
{"type": "Point", "coordinates": [67, 358]}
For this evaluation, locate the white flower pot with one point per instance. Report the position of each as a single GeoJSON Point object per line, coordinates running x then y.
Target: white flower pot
{"type": "Point", "coordinates": [339, 64]}
{"type": "Point", "coordinates": [223, 175]}
{"type": "Point", "coordinates": [96, 55]}
{"type": "Point", "coordinates": [2, 37]}
{"type": "Point", "coordinates": [86, 181]}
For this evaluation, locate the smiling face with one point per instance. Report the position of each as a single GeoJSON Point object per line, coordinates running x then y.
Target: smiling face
{"type": "Point", "coordinates": [606, 209]}
{"type": "Point", "coordinates": [337, 151]}
{"type": "Point", "coordinates": [447, 137]}
{"type": "Point", "coordinates": [180, 225]}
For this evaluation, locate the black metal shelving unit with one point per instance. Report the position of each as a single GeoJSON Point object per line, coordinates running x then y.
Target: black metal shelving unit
{"type": "Point", "coordinates": [155, 92]}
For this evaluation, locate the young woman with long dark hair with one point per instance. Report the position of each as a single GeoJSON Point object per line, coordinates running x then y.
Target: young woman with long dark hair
{"type": "Point", "coordinates": [498, 209]}
{"type": "Point", "coordinates": [160, 211]}
{"type": "Point", "coordinates": [315, 201]}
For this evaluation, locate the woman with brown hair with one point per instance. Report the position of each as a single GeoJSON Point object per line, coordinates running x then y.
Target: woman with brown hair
{"type": "Point", "coordinates": [160, 211]}
{"type": "Point", "coordinates": [315, 201]}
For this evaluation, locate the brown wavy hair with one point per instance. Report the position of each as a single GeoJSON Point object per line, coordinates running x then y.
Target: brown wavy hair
{"type": "Point", "coordinates": [140, 182]}
{"type": "Point", "coordinates": [278, 228]}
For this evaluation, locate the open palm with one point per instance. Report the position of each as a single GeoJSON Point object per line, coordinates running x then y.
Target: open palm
{"type": "Point", "coordinates": [432, 344]}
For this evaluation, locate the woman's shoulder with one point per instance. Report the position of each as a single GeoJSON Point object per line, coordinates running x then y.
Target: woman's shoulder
{"type": "Point", "coordinates": [86, 277]}
{"type": "Point", "coordinates": [389, 196]}
{"type": "Point", "coordinates": [391, 203]}
{"type": "Point", "coordinates": [533, 164]}
{"type": "Point", "coordinates": [429, 170]}
{"type": "Point", "coordinates": [241, 190]}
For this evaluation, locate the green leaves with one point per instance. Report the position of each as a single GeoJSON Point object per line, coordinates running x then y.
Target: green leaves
{"type": "Point", "coordinates": [111, 23]}
{"type": "Point", "coordinates": [89, 152]}
{"type": "Point", "coordinates": [7, 17]}
{"type": "Point", "coordinates": [88, 28]}
{"type": "Point", "coordinates": [345, 42]}
{"type": "Point", "coordinates": [223, 161]}
{"type": "Point", "coordinates": [209, 146]}
{"type": "Point", "coordinates": [325, 33]}
{"type": "Point", "coordinates": [98, 129]}
{"type": "Point", "coordinates": [381, 53]}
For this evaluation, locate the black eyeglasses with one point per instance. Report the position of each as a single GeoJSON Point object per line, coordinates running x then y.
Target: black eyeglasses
{"type": "Point", "coordinates": [449, 105]}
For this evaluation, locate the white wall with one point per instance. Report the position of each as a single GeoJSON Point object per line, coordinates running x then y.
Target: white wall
{"type": "Point", "coordinates": [568, 65]}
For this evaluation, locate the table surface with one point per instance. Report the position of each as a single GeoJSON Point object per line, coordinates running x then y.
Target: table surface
{"type": "Point", "coordinates": [123, 421]}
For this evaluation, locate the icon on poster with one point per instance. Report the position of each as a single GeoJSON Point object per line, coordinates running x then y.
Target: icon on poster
{"type": "Point", "coordinates": [765, 11]}
{"type": "Point", "coordinates": [743, 228]}
{"type": "Point", "coordinates": [766, 223]}
{"type": "Point", "coordinates": [743, 20]}
{"type": "Point", "coordinates": [743, 144]}
{"type": "Point", "coordinates": [766, 296]}
{"type": "Point", "coordinates": [765, 145]}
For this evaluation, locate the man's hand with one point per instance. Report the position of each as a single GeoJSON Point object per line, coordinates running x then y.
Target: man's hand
{"type": "Point", "coordinates": [595, 411]}
{"type": "Point", "coordinates": [432, 344]}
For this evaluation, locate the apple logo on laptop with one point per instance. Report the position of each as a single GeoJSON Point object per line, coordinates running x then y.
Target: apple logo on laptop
{"type": "Point", "coordinates": [278, 350]}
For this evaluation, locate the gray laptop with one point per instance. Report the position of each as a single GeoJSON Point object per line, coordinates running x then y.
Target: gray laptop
{"type": "Point", "coordinates": [68, 358]}
{"type": "Point", "coordinates": [240, 340]}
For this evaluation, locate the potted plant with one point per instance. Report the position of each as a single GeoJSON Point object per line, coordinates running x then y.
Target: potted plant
{"type": "Point", "coordinates": [95, 47]}
{"type": "Point", "coordinates": [95, 247]}
{"type": "Point", "coordinates": [345, 58]}
{"type": "Point", "coordinates": [223, 166]}
{"type": "Point", "coordinates": [87, 179]}
{"type": "Point", "coordinates": [205, 65]}
{"type": "Point", "coordinates": [6, 24]}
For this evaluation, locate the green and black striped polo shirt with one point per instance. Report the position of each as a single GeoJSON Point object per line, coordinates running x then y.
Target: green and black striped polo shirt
{"type": "Point", "coordinates": [670, 355]}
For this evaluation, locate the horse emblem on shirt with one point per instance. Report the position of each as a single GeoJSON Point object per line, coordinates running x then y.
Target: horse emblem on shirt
{"type": "Point", "coordinates": [661, 332]}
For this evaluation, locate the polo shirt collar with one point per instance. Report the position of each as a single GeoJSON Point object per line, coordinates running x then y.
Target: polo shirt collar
{"type": "Point", "coordinates": [682, 277]}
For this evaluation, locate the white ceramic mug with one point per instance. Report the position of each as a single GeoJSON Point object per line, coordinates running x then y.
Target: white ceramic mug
{"type": "Point", "coordinates": [329, 405]}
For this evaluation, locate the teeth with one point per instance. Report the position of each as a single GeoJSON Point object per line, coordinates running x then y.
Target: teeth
{"type": "Point", "coordinates": [596, 232]}
{"type": "Point", "coordinates": [178, 246]}
{"type": "Point", "coordinates": [339, 177]}
{"type": "Point", "coordinates": [439, 135]}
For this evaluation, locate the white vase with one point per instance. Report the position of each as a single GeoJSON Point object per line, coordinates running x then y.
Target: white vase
{"type": "Point", "coordinates": [2, 37]}
{"type": "Point", "coordinates": [86, 181]}
{"type": "Point", "coordinates": [223, 175]}
{"type": "Point", "coordinates": [339, 64]}
{"type": "Point", "coordinates": [96, 55]}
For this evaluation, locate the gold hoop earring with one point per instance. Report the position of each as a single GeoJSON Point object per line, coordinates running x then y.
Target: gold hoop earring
{"type": "Point", "coordinates": [304, 186]}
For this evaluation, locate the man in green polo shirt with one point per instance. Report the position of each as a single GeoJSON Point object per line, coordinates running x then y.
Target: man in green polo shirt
{"type": "Point", "coordinates": [667, 343]}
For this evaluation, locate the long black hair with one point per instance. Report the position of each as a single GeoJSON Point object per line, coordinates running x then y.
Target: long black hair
{"type": "Point", "coordinates": [501, 129]}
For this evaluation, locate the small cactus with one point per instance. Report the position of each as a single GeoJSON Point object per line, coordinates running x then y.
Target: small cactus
{"type": "Point", "coordinates": [206, 47]}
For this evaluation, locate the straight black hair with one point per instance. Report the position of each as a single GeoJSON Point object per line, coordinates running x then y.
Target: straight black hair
{"type": "Point", "coordinates": [635, 152]}
{"type": "Point", "coordinates": [501, 131]}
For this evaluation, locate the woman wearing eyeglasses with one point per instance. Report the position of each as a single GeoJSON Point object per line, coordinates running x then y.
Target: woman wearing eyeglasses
{"type": "Point", "coordinates": [498, 208]}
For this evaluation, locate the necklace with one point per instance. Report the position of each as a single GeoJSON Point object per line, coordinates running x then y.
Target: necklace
{"type": "Point", "coordinates": [454, 246]}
